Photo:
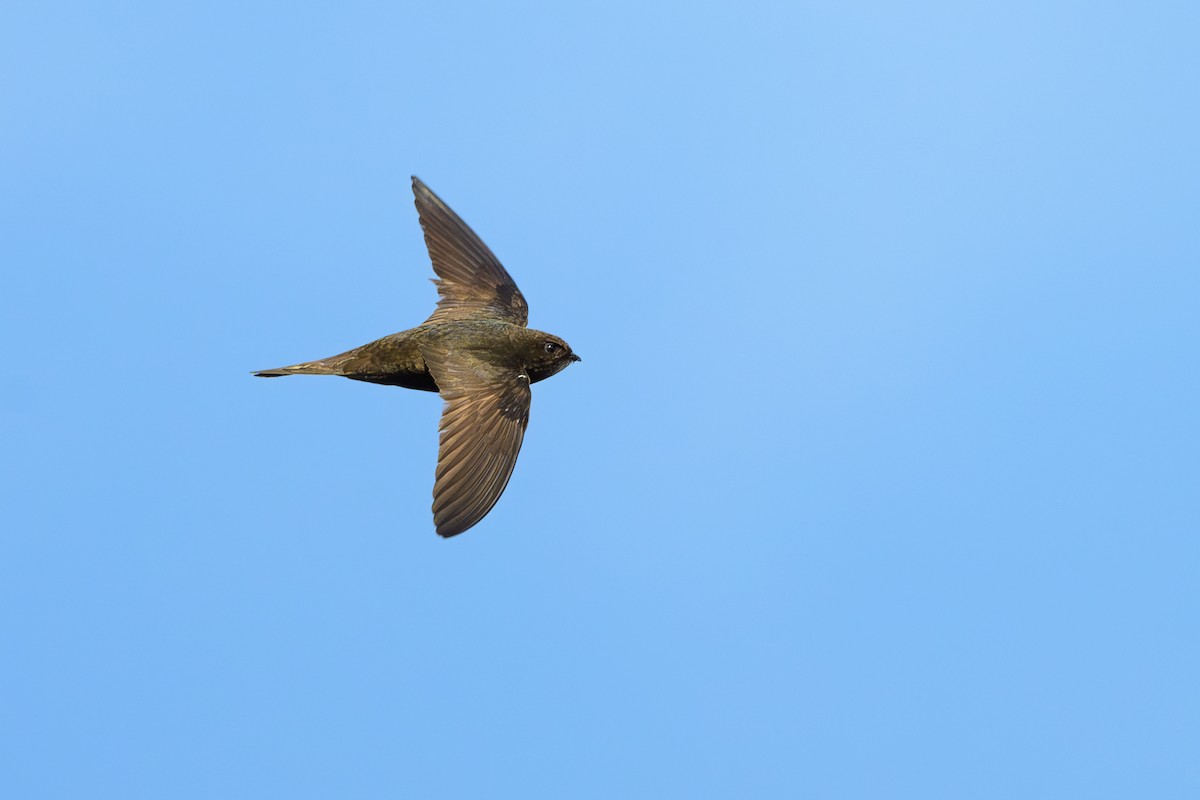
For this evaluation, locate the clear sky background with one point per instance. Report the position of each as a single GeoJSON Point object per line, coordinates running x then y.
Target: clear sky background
{"type": "Point", "coordinates": [878, 479]}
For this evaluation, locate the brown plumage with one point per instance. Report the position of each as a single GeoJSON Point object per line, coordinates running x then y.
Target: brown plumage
{"type": "Point", "coordinates": [475, 351]}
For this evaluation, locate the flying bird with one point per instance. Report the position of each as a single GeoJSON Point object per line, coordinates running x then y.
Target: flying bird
{"type": "Point", "coordinates": [476, 351]}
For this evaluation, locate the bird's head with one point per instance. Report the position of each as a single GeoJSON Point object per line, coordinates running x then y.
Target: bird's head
{"type": "Point", "coordinates": [548, 355]}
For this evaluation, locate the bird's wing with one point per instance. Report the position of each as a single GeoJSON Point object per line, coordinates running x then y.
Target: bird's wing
{"type": "Point", "coordinates": [471, 281]}
{"type": "Point", "coordinates": [483, 423]}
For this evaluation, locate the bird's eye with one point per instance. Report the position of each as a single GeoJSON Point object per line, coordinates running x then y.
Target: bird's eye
{"type": "Point", "coordinates": [551, 347]}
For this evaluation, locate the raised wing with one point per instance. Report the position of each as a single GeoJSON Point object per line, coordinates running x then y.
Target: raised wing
{"type": "Point", "coordinates": [483, 424]}
{"type": "Point", "coordinates": [471, 281]}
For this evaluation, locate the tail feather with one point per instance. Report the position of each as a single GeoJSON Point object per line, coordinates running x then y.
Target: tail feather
{"type": "Point", "coordinates": [322, 367]}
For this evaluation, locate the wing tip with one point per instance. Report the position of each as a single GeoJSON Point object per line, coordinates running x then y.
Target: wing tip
{"type": "Point", "coordinates": [419, 187]}
{"type": "Point", "coordinates": [419, 190]}
{"type": "Point", "coordinates": [449, 531]}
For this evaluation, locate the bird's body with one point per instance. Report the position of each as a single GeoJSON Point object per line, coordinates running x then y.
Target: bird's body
{"type": "Point", "coordinates": [396, 360]}
{"type": "Point", "coordinates": [475, 351]}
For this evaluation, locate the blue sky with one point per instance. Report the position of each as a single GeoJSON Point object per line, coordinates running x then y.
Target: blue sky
{"type": "Point", "coordinates": [878, 478]}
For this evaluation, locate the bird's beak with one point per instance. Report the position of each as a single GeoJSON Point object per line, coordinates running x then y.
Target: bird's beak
{"type": "Point", "coordinates": [575, 357]}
